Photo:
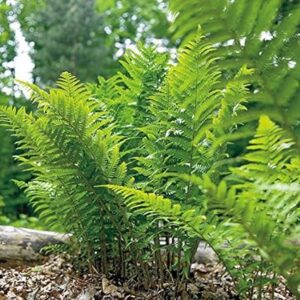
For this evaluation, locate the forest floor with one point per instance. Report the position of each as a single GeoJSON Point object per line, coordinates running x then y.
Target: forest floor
{"type": "Point", "coordinates": [56, 278]}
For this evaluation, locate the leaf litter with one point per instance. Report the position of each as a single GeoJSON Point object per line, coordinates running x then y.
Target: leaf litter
{"type": "Point", "coordinates": [56, 278]}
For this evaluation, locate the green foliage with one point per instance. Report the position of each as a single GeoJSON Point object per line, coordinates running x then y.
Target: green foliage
{"type": "Point", "coordinates": [126, 94]}
{"type": "Point", "coordinates": [15, 201]}
{"type": "Point", "coordinates": [72, 148]}
{"type": "Point", "coordinates": [177, 153]}
{"type": "Point", "coordinates": [66, 35]}
{"type": "Point", "coordinates": [152, 205]}
{"type": "Point", "coordinates": [264, 35]}
{"type": "Point", "coordinates": [68, 150]}
{"type": "Point", "coordinates": [136, 20]}
{"type": "Point", "coordinates": [146, 155]}
{"type": "Point", "coordinates": [23, 221]}
{"type": "Point", "coordinates": [61, 40]}
{"type": "Point", "coordinates": [264, 199]}
{"type": "Point", "coordinates": [180, 137]}
{"type": "Point", "coordinates": [7, 45]}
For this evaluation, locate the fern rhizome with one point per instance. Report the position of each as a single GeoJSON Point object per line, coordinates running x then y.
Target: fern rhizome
{"type": "Point", "coordinates": [140, 168]}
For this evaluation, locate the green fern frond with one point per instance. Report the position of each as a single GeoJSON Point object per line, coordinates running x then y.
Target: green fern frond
{"type": "Point", "coordinates": [269, 152]}
{"type": "Point", "coordinates": [258, 223]}
{"type": "Point", "coordinates": [264, 199]}
{"type": "Point", "coordinates": [159, 207]}
{"type": "Point", "coordinates": [190, 112]}
{"type": "Point", "coordinates": [69, 148]}
{"type": "Point", "coordinates": [257, 34]}
{"type": "Point", "coordinates": [145, 71]}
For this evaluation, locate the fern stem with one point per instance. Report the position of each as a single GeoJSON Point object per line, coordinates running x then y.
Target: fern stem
{"type": "Point", "coordinates": [157, 253]}
{"type": "Point", "coordinates": [290, 286]}
{"type": "Point", "coordinates": [121, 258]}
{"type": "Point", "coordinates": [103, 244]}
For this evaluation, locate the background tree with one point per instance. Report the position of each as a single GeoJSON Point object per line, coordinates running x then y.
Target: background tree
{"type": "Point", "coordinates": [11, 196]}
{"type": "Point", "coordinates": [86, 37]}
{"type": "Point", "coordinates": [7, 45]}
{"type": "Point", "coordinates": [66, 35]}
{"type": "Point", "coordinates": [131, 21]}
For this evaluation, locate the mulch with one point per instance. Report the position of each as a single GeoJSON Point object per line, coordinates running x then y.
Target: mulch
{"type": "Point", "coordinates": [56, 278]}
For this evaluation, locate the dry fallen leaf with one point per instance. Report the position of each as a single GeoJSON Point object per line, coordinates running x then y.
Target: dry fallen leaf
{"type": "Point", "coordinates": [108, 287]}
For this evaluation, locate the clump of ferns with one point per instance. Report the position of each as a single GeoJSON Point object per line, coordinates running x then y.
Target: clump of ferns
{"type": "Point", "coordinates": [75, 153]}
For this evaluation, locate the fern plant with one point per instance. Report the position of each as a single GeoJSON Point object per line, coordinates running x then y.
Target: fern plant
{"type": "Point", "coordinates": [261, 210]}
{"type": "Point", "coordinates": [186, 141]}
{"type": "Point", "coordinates": [190, 112]}
{"type": "Point", "coordinates": [158, 137]}
{"type": "Point", "coordinates": [264, 199]}
{"type": "Point", "coordinates": [69, 147]}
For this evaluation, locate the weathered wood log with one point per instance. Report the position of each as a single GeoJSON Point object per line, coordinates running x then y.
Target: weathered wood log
{"type": "Point", "coordinates": [22, 244]}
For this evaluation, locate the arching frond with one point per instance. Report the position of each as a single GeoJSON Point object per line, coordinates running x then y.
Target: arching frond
{"type": "Point", "coordinates": [255, 33]}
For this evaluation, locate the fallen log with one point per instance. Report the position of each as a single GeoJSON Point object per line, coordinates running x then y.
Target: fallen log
{"type": "Point", "coordinates": [22, 244]}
